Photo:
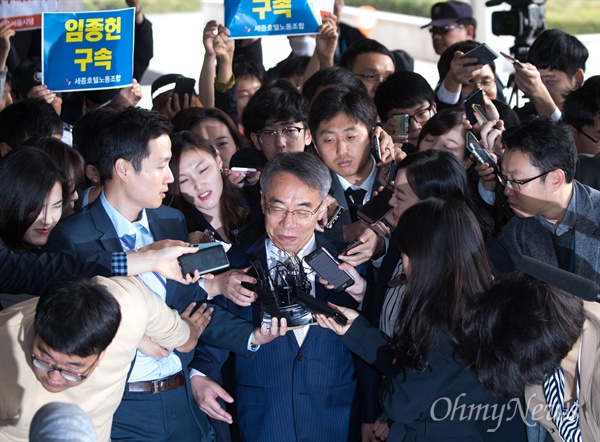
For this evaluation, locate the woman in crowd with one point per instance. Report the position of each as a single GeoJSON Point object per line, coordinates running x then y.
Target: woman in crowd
{"type": "Point", "coordinates": [35, 192]}
{"type": "Point", "coordinates": [212, 124]}
{"type": "Point", "coordinates": [69, 161]}
{"type": "Point", "coordinates": [212, 204]}
{"type": "Point", "coordinates": [445, 131]}
{"type": "Point", "coordinates": [445, 265]}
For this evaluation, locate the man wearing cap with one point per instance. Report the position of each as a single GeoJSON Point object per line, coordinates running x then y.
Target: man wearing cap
{"type": "Point", "coordinates": [451, 22]}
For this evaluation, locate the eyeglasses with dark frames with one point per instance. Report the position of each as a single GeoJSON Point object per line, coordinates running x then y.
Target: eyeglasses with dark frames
{"type": "Point", "coordinates": [516, 184]}
{"type": "Point", "coordinates": [289, 134]}
{"type": "Point", "coordinates": [593, 140]}
{"type": "Point", "coordinates": [440, 30]}
{"type": "Point", "coordinates": [66, 374]}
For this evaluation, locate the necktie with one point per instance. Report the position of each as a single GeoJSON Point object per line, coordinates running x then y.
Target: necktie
{"type": "Point", "coordinates": [355, 198]}
{"type": "Point", "coordinates": [153, 280]}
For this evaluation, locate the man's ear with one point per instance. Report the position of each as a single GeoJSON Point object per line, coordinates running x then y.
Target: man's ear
{"type": "Point", "coordinates": [92, 173]}
{"type": "Point", "coordinates": [255, 141]}
{"type": "Point", "coordinates": [122, 169]}
{"type": "Point", "coordinates": [262, 201]}
{"type": "Point", "coordinates": [578, 78]}
{"type": "Point", "coordinates": [307, 137]}
{"type": "Point", "coordinates": [557, 178]}
{"type": "Point", "coordinates": [4, 149]}
{"type": "Point", "coordinates": [470, 32]}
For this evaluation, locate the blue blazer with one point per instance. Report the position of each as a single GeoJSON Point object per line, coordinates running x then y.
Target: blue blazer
{"type": "Point", "coordinates": [288, 392]}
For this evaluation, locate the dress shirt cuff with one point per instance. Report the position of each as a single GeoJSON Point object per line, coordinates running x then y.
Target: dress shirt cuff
{"type": "Point", "coordinates": [251, 347]}
{"type": "Point", "coordinates": [556, 115]}
{"type": "Point", "coordinates": [194, 372]}
{"type": "Point", "coordinates": [486, 195]}
{"type": "Point", "coordinates": [445, 96]}
{"type": "Point", "coordinates": [119, 264]}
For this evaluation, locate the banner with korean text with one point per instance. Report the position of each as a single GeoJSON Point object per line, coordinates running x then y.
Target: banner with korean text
{"type": "Point", "coordinates": [26, 14]}
{"type": "Point", "coordinates": [87, 50]}
{"type": "Point", "coordinates": [256, 18]}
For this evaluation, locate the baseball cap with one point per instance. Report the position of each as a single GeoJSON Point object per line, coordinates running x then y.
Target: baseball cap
{"type": "Point", "coordinates": [444, 13]}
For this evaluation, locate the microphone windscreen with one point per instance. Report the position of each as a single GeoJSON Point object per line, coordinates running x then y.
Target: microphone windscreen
{"type": "Point", "coordinates": [566, 281]}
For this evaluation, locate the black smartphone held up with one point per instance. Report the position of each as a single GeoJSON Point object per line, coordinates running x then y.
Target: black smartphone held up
{"type": "Point", "coordinates": [376, 149]}
{"type": "Point", "coordinates": [326, 266]}
{"type": "Point", "coordinates": [205, 260]}
{"type": "Point", "coordinates": [478, 151]}
{"type": "Point", "coordinates": [350, 246]}
{"type": "Point", "coordinates": [376, 208]}
{"type": "Point", "coordinates": [483, 53]}
{"type": "Point", "coordinates": [403, 121]}
{"type": "Point", "coordinates": [184, 85]}
{"type": "Point", "coordinates": [476, 97]}
{"type": "Point", "coordinates": [332, 219]}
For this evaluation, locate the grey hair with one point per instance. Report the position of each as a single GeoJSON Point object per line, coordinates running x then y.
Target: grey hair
{"type": "Point", "coordinates": [303, 165]}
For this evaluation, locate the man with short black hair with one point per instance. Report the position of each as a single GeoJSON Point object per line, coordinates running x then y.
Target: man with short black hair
{"type": "Point", "coordinates": [370, 61]}
{"type": "Point", "coordinates": [75, 344]}
{"type": "Point", "coordinates": [557, 218]}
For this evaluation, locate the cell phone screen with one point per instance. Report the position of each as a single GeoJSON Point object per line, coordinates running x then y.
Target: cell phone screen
{"type": "Point", "coordinates": [326, 266]}
{"type": "Point", "coordinates": [377, 207]}
{"type": "Point", "coordinates": [205, 260]}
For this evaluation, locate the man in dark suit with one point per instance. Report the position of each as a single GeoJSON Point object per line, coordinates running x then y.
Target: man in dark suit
{"type": "Point", "coordinates": [302, 386]}
{"type": "Point", "coordinates": [134, 166]}
{"type": "Point", "coordinates": [342, 123]}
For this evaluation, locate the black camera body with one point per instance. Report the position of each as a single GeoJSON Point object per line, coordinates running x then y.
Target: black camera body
{"type": "Point", "coordinates": [525, 21]}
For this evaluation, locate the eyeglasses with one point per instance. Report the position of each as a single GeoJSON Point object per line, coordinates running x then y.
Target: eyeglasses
{"type": "Point", "coordinates": [373, 78]}
{"type": "Point", "coordinates": [421, 116]}
{"type": "Point", "coordinates": [66, 374]}
{"type": "Point", "coordinates": [299, 215]}
{"type": "Point", "coordinates": [597, 142]}
{"type": "Point", "coordinates": [441, 30]}
{"type": "Point", "coordinates": [486, 85]}
{"type": "Point", "coordinates": [516, 184]}
{"type": "Point", "coordinates": [289, 134]}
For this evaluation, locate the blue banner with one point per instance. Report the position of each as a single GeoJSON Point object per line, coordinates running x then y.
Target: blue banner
{"type": "Point", "coordinates": [87, 50]}
{"type": "Point", "coordinates": [257, 18]}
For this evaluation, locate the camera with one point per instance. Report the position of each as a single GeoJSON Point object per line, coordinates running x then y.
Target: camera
{"type": "Point", "coordinates": [525, 21]}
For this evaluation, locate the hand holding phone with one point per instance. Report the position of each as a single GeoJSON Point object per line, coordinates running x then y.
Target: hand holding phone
{"type": "Point", "coordinates": [184, 85]}
{"type": "Point", "coordinates": [326, 266]}
{"type": "Point", "coordinates": [250, 173]}
{"type": "Point", "coordinates": [512, 60]}
{"type": "Point", "coordinates": [209, 258]}
{"type": "Point", "coordinates": [376, 208]}
{"type": "Point", "coordinates": [476, 97]}
{"type": "Point", "coordinates": [480, 154]}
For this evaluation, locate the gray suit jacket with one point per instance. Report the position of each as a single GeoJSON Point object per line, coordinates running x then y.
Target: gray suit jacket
{"type": "Point", "coordinates": [527, 236]}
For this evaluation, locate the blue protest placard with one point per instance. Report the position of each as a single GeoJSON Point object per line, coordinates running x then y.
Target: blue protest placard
{"type": "Point", "coordinates": [257, 18]}
{"type": "Point", "coordinates": [87, 50]}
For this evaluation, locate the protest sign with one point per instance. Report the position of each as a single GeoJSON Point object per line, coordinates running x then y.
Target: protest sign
{"type": "Point", "coordinates": [26, 14]}
{"type": "Point", "coordinates": [256, 18]}
{"type": "Point", "coordinates": [87, 50]}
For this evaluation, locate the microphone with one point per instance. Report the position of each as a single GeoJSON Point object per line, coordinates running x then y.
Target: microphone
{"type": "Point", "coordinates": [566, 281]}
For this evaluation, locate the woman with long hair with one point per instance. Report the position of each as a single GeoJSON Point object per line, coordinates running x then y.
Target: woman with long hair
{"type": "Point", "coordinates": [34, 194]}
{"type": "Point", "coordinates": [445, 264]}
{"type": "Point", "coordinates": [211, 203]}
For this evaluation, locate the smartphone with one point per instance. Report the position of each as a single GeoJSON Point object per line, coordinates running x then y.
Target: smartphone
{"type": "Point", "coordinates": [376, 149]}
{"type": "Point", "coordinates": [403, 121]}
{"type": "Point", "coordinates": [476, 97]}
{"type": "Point", "coordinates": [376, 208]}
{"type": "Point", "coordinates": [184, 85]}
{"type": "Point", "coordinates": [483, 53]}
{"type": "Point", "coordinates": [326, 266]}
{"type": "Point", "coordinates": [511, 59]}
{"type": "Point", "coordinates": [350, 246]}
{"type": "Point", "coordinates": [478, 151]}
{"type": "Point", "coordinates": [478, 109]}
{"type": "Point", "coordinates": [249, 171]}
{"type": "Point", "coordinates": [207, 259]}
{"type": "Point", "coordinates": [335, 215]}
